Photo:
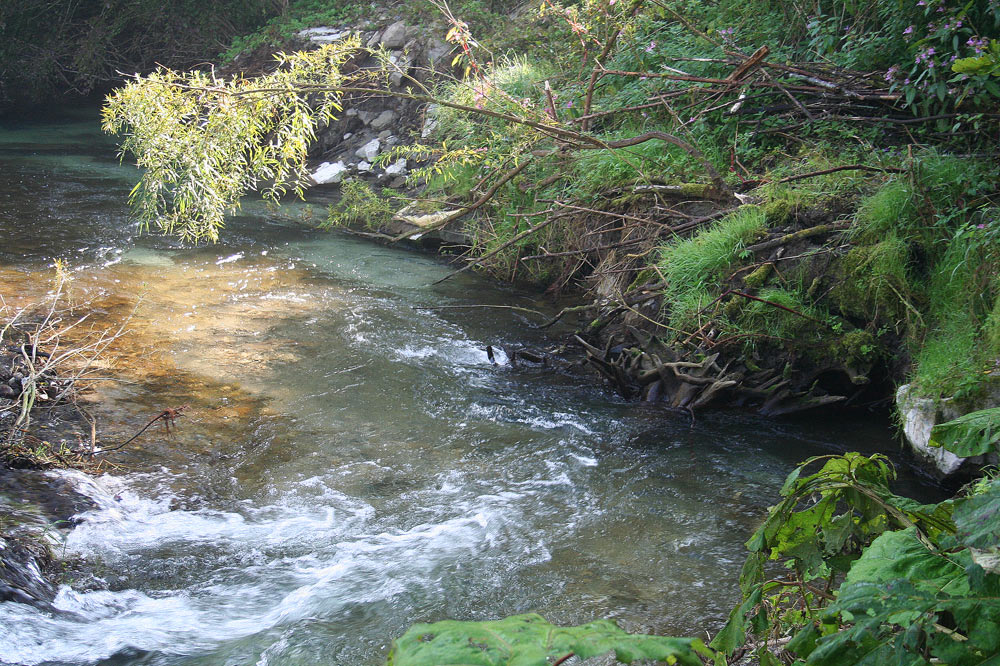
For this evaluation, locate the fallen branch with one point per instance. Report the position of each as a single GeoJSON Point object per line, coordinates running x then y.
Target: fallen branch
{"type": "Point", "coordinates": [507, 177]}
{"type": "Point", "coordinates": [734, 292]}
{"type": "Point", "coordinates": [848, 167]}
{"type": "Point", "coordinates": [798, 235]}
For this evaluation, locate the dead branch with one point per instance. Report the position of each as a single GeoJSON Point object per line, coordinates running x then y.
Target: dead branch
{"type": "Point", "coordinates": [848, 167]}
{"type": "Point", "coordinates": [506, 178]}
{"type": "Point", "coordinates": [798, 235]}
{"type": "Point", "coordinates": [595, 74]}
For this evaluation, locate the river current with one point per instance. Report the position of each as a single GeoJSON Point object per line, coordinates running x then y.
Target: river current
{"type": "Point", "coordinates": [350, 462]}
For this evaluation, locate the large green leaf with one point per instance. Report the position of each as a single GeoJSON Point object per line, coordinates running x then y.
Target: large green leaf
{"type": "Point", "coordinates": [901, 554]}
{"type": "Point", "coordinates": [529, 640]}
{"type": "Point", "coordinates": [977, 518]}
{"type": "Point", "coordinates": [973, 434]}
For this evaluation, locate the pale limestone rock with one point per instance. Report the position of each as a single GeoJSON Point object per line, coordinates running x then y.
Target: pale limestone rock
{"type": "Point", "coordinates": [323, 34]}
{"type": "Point", "coordinates": [919, 415]}
{"type": "Point", "coordinates": [397, 168]}
{"type": "Point", "coordinates": [394, 36]}
{"type": "Point", "coordinates": [370, 150]}
{"type": "Point", "coordinates": [383, 119]}
{"type": "Point", "coordinates": [329, 173]}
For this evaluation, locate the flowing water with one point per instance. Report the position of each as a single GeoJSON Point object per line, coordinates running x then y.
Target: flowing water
{"type": "Point", "coordinates": [350, 462]}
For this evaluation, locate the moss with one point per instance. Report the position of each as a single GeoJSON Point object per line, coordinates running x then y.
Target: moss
{"type": "Point", "coordinates": [857, 346]}
{"type": "Point", "coordinates": [758, 277]}
{"type": "Point", "coordinates": [644, 276]}
{"type": "Point", "coordinates": [873, 280]}
{"type": "Point", "coordinates": [777, 211]}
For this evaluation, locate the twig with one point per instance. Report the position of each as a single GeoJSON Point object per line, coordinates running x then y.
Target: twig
{"type": "Point", "coordinates": [466, 307]}
{"type": "Point", "coordinates": [595, 74]}
{"type": "Point", "coordinates": [848, 167]}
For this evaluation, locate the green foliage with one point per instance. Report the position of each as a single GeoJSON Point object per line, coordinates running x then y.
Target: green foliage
{"type": "Point", "coordinates": [204, 142]}
{"type": "Point", "coordinates": [697, 262]}
{"type": "Point", "coordinates": [296, 16]}
{"type": "Point", "coordinates": [529, 640]}
{"type": "Point", "coordinates": [972, 434]}
{"type": "Point", "coordinates": [359, 204]}
{"type": "Point", "coordinates": [919, 582]}
{"type": "Point", "coordinates": [694, 267]}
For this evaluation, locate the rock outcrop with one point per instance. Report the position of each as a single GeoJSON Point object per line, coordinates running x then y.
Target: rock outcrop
{"type": "Point", "coordinates": [367, 127]}
{"type": "Point", "coordinates": [918, 416]}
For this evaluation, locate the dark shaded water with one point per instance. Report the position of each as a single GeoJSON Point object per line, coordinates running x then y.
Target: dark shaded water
{"type": "Point", "coordinates": [351, 463]}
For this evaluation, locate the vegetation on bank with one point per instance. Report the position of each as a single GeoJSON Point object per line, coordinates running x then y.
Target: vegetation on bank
{"type": "Point", "coordinates": [49, 356]}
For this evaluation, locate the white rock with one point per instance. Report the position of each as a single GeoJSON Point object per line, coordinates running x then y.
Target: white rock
{"type": "Point", "coordinates": [364, 167]}
{"type": "Point", "coordinates": [323, 35]}
{"type": "Point", "coordinates": [397, 168]}
{"type": "Point", "coordinates": [329, 173]}
{"type": "Point", "coordinates": [394, 36]}
{"type": "Point", "coordinates": [383, 119]}
{"type": "Point", "coordinates": [369, 151]}
{"type": "Point", "coordinates": [430, 121]}
{"type": "Point", "coordinates": [919, 415]}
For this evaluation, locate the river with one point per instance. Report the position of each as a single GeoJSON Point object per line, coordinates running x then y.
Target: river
{"type": "Point", "coordinates": [350, 462]}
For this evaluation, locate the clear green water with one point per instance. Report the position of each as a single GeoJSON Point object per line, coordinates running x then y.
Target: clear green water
{"type": "Point", "coordinates": [350, 463]}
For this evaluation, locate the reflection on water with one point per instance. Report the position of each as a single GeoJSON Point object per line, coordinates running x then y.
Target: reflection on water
{"type": "Point", "coordinates": [351, 463]}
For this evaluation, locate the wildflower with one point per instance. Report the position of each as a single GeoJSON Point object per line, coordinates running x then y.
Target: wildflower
{"type": "Point", "coordinates": [569, 104]}
{"type": "Point", "coordinates": [652, 45]}
{"type": "Point", "coordinates": [979, 45]}
{"type": "Point", "coordinates": [908, 32]}
{"type": "Point", "coordinates": [890, 73]}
